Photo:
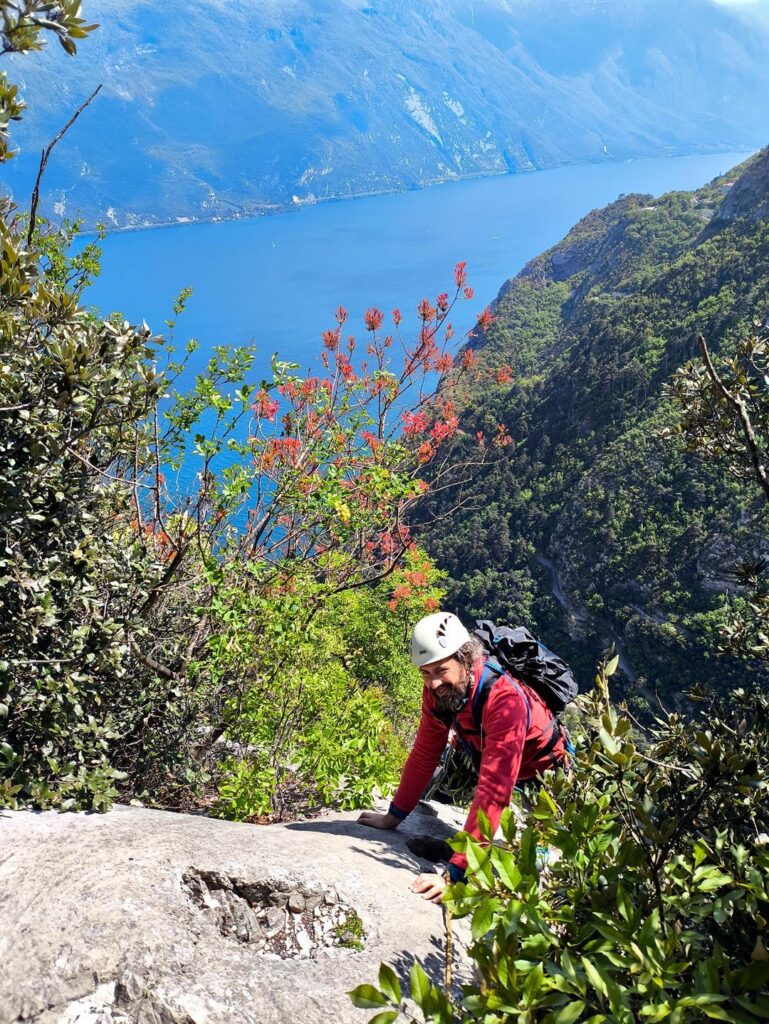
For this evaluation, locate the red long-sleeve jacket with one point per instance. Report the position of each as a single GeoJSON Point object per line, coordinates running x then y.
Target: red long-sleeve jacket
{"type": "Point", "coordinates": [517, 727]}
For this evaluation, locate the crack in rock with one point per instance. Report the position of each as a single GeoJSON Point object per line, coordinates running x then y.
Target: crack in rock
{"type": "Point", "coordinates": [280, 919]}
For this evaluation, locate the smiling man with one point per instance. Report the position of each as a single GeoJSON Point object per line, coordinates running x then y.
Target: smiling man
{"type": "Point", "coordinates": [504, 726]}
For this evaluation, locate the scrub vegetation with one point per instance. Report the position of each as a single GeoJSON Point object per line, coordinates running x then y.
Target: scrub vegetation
{"type": "Point", "coordinates": [239, 644]}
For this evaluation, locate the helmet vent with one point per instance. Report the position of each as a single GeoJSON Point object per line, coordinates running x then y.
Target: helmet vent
{"type": "Point", "coordinates": [440, 632]}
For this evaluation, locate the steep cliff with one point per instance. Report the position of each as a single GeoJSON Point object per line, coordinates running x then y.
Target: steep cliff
{"type": "Point", "coordinates": [593, 524]}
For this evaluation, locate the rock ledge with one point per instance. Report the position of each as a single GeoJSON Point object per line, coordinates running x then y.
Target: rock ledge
{"type": "Point", "coordinates": [150, 917]}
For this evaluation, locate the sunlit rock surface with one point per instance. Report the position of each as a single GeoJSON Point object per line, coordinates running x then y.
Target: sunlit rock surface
{"type": "Point", "coordinates": [143, 915]}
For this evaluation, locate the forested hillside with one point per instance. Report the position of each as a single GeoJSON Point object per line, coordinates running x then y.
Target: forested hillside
{"type": "Point", "coordinates": [596, 526]}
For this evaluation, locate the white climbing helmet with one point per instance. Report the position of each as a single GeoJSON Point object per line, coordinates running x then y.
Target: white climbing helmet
{"type": "Point", "coordinates": [436, 637]}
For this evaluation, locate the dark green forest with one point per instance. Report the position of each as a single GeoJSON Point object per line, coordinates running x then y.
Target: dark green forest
{"type": "Point", "coordinates": [597, 526]}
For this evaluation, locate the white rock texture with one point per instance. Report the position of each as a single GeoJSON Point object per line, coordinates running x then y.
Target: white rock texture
{"type": "Point", "coordinates": [97, 925]}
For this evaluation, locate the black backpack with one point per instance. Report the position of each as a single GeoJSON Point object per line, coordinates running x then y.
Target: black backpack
{"type": "Point", "coordinates": [527, 658]}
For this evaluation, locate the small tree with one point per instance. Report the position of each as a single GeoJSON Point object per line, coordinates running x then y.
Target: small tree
{"type": "Point", "coordinates": [724, 418]}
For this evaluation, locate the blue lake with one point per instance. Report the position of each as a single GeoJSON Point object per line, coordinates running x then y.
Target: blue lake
{"type": "Point", "coordinates": [275, 281]}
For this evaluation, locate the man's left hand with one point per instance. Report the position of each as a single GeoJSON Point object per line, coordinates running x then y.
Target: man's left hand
{"type": "Point", "coordinates": [430, 887]}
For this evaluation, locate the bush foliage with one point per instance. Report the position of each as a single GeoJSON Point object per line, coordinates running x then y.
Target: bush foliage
{"type": "Point", "coordinates": [169, 643]}
{"type": "Point", "coordinates": [657, 907]}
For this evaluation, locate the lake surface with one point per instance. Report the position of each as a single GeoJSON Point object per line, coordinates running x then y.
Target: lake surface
{"type": "Point", "coordinates": [275, 281]}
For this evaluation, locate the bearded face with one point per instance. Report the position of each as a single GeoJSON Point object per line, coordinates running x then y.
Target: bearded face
{"type": "Point", "coordinates": [449, 682]}
{"type": "Point", "coordinates": [451, 701]}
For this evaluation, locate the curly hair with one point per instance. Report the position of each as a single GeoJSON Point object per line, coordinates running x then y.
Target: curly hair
{"type": "Point", "coordinates": [469, 653]}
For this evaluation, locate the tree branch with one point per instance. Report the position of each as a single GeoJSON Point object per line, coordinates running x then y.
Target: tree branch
{"type": "Point", "coordinates": [150, 663]}
{"type": "Point", "coordinates": [739, 406]}
{"type": "Point", "coordinates": [44, 157]}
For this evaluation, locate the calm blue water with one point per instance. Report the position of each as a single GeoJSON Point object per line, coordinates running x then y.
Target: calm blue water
{"type": "Point", "coordinates": [275, 281]}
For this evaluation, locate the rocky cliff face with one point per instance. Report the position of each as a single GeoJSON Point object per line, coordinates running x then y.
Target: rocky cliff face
{"type": "Point", "coordinates": [745, 196]}
{"type": "Point", "coordinates": [217, 110]}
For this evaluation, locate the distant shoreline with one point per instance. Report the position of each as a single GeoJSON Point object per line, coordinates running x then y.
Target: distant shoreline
{"type": "Point", "coordinates": [274, 209]}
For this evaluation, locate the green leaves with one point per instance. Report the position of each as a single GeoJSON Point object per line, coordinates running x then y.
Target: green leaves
{"type": "Point", "coordinates": [419, 984]}
{"type": "Point", "coordinates": [22, 30]}
{"type": "Point", "coordinates": [655, 904]}
{"type": "Point", "coordinates": [483, 918]}
{"type": "Point", "coordinates": [568, 1013]}
{"type": "Point", "coordinates": [430, 1000]}
{"type": "Point", "coordinates": [367, 997]}
{"type": "Point", "coordinates": [389, 984]}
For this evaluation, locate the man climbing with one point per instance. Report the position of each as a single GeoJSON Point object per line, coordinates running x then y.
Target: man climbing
{"type": "Point", "coordinates": [503, 724]}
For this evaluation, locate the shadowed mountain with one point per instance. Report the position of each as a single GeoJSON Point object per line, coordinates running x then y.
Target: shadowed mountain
{"type": "Point", "coordinates": [217, 109]}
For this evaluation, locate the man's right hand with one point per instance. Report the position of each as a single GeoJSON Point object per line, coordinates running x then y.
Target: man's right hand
{"type": "Point", "coordinates": [375, 820]}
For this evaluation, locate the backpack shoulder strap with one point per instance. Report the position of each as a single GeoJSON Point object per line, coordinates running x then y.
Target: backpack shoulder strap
{"type": "Point", "coordinates": [491, 673]}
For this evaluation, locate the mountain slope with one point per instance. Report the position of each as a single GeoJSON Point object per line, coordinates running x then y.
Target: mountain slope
{"type": "Point", "coordinates": [594, 525]}
{"type": "Point", "coordinates": [213, 109]}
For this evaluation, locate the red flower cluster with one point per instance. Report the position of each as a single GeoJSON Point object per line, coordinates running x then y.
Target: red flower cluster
{"type": "Point", "coordinates": [503, 439]}
{"type": "Point", "coordinates": [331, 339]}
{"type": "Point", "coordinates": [414, 423]}
{"type": "Point", "coordinates": [279, 450]}
{"type": "Point", "coordinates": [389, 542]}
{"type": "Point", "coordinates": [460, 274]}
{"type": "Point", "coordinates": [444, 429]}
{"type": "Point", "coordinates": [416, 578]}
{"type": "Point", "coordinates": [425, 310]}
{"type": "Point", "coordinates": [373, 319]}
{"type": "Point", "coordinates": [426, 451]}
{"type": "Point", "coordinates": [468, 359]}
{"type": "Point", "coordinates": [345, 368]}
{"type": "Point", "coordinates": [485, 320]}
{"type": "Point", "coordinates": [504, 375]}
{"type": "Point", "coordinates": [415, 581]}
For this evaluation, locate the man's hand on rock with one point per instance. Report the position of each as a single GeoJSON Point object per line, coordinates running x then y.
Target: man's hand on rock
{"type": "Point", "coordinates": [376, 820]}
{"type": "Point", "coordinates": [429, 886]}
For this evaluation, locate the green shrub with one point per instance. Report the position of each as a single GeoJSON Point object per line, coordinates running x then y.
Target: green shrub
{"type": "Point", "coordinates": [657, 908]}
{"type": "Point", "coordinates": [331, 700]}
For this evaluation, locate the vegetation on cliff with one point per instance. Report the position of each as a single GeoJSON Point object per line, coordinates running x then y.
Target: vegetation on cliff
{"type": "Point", "coordinates": [597, 525]}
{"type": "Point", "coordinates": [655, 907]}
